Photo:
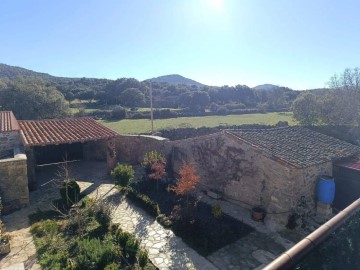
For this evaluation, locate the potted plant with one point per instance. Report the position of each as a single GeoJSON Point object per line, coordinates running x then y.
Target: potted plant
{"type": "Point", "coordinates": [4, 240]}
{"type": "Point", "coordinates": [258, 213]}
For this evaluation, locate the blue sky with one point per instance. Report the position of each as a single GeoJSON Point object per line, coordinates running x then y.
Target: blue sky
{"type": "Point", "coordinates": [294, 43]}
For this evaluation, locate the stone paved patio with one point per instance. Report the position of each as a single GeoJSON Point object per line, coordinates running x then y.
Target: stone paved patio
{"type": "Point", "coordinates": [166, 250]}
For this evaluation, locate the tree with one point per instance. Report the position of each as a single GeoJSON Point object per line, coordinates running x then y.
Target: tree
{"type": "Point", "coordinates": [348, 81]}
{"type": "Point", "coordinates": [306, 109]}
{"type": "Point", "coordinates": [188, 180]}
{"type": "Point", "coordinates": [157, 172]}
{"type": "Point", "coordinates": [132, 97]}
{"type": "Point", "coordinates": [200, 99]}
{"type": "Point", "coordinates": [118, 113]}
{"type": "Point", "coordinates": [33, 98]}
{"type": "Point", "coordinates": [154, 164]}
{"type": "Point", "coordinates": [337, 108]}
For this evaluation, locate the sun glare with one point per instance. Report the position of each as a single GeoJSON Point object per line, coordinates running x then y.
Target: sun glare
{"type": "Point", "coordinates": [217, 5]}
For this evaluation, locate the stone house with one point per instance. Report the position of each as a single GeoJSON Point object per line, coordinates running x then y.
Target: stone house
{"type": "Point", "coordinates": [13, 162]}
{"type": "Point", "coordinates": [273, 168]}
{"type": "Point", "coordinates": [9, 134]}
{"type": "Point", "coordinates": [25, 145]}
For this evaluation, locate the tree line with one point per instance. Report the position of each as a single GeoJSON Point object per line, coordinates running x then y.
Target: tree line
{"type": "Point", "coordinates": [50, 97]}
{"type": "Point", "coordinates": [337, 106]}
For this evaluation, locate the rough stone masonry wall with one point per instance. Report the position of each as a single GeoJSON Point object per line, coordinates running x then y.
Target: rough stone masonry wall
{"type": "Point", "coordinates": [13, 181]}
{"type": "Point", "coordinates": [132, 148]}
{"type": "Point", "coordinates": [95, 150]}
{"type": "Point", "coordinates": [234, 169]}
{"type": "Point", "coordinates": [9, 141]}
{"type": "Point", "coordinates": [305, 181]}
{"type": "Point", "coordinates": [242, 173]}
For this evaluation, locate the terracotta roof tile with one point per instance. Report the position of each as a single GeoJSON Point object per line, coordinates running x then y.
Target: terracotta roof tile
{"type": "Point", "coordinates": [8, 122]}
{"type": "Point", "coordinates": [297, 146]}
{"type": "Point", "coordinates": [58, 131]}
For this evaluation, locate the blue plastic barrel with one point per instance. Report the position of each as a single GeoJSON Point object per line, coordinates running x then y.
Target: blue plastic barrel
{"type": "Point", "coordinates": [326, 189]}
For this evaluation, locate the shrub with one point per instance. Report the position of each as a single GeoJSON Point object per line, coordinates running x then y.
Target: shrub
{"type": "Point", "coordinates": [131, 248]}
{"type": "Point", "coordinates": [120, 238]}
{"type": "Point", "coordinates": [150, 158]}
{"type": "Point", "coordinates": [149, 205]}
{"type": "Point", "coordinates": [222, 110]}
{"type": "Point", "coordinates": [143, 258]}
{"type": "Point", "coordinates": [46, 227]}
{"type": "Point", "coordinates": [213, 107]}
{"type": "Point", "coordinates": [70, 192]}
{"type": "Point", "coordinates": [118, 113]}
{"type": "Point", "coordinates": [112, 266]}
{"type": "Point", "coordinates": [94, 254]}
{"type": "Point", "coordinates": [123, 174]}
{"type": "Point", "coordinates": [235, 106]}
{"type": "Point", "coordinates": [216, 210]}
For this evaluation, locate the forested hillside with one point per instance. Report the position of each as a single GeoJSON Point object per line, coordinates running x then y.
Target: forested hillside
{"type": "Point", "coordinates": [131, 93]}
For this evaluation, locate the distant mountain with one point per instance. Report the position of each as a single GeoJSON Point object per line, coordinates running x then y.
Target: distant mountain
{"type": "Point", "coordinates": [175, 79]}
{"type": "Point", "coordinates": [12, 72]}
{"type": "Point", "coordinates": [266, 87]}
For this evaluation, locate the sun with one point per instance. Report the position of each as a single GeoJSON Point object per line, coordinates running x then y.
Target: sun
{"type": "Point", "coordinates": [217, 5]}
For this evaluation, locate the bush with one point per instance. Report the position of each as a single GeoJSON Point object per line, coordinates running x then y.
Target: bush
{"type": "Point", "coordinates": [112, 266]}
{"type": "Point", "coordinates": [165, 113]}
{"type": "Point", "coordinates": [143, 258]}
{"type": "Point", "coordinates": [150, 158]}
{"type": "Point", "coordinates": [131, 248]}
{"type": "Point", "coordinates": [118, 113]}
{"type": "Point", "coordinates": [144, 201]}
{"type": "Point", "coordinates": [222, 110]}
{"type": "Point", "coordinates": [217, 210]}
{"type": "Point", "coordinates": [235, 106]}
{"type": "Point", "coordinates": [94, 254]}
{"type": "Point", "coordinates": [123, 174]}
{"type": "Point", "coordinates": [70, 192]}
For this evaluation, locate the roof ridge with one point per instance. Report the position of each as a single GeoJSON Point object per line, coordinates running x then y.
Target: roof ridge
{"type": "Point", "coordinates": [58, 119]}
{"type": "Point", "coordinates": [300, 146]}
{"type": "Point", "coordinates": [262, 129]}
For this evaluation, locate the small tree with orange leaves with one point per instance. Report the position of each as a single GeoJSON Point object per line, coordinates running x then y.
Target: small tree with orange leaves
{"type": "Point", "coordinates": [157, 172]}
{"type": "Point", "coordinates": [154, 164]}
{"type": "Point", "coordinates": [187, 182]}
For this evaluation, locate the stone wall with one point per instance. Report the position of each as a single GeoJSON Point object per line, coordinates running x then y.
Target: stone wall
{"type": "Point", "coordinates": [9, 141]}
{"type": "Point", "coordinates": [233, 168]}
{"type": "Point", "coordinates": [238, 171]}
{"type": "Point", "coordinates": [95, 150]}
{"type": "Point", "coordinates": [132, 148]}
{"type": "Point", "coordinates": [13, 181]}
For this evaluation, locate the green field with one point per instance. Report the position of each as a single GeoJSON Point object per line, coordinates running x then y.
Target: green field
{"type": "Point", "coordinates": [139, 126]}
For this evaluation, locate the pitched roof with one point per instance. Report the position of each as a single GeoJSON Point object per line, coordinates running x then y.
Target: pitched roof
{"type": "Point", "coordinates": [8, 122]}
{"type": "Point", "coordinates": [297, 146]}
{"type": "Point", "coordinates": [58, 131]}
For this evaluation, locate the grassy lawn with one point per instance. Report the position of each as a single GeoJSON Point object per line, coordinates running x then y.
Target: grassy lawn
{"type": "Point", "coordinates": [138, 126]}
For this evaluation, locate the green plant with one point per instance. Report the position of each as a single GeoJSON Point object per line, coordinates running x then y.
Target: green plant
{"type": "Point", "coordinates": [131, 248]}
{"type": "Point", "coordinates": [144, 201]}
{"type": "Point", "coordinates": [151, 158]}
{"type": "Point", "coordinates": [217, 210]}
{"type": "Point", "coordinates": [120, 238]}
{"type": "Point", "coordinates": [143, 258]}
{"type": "Point", "coordinates": [94, 254]}
{"type": "Point", "coordinates": [112, 266]}
{"type": "Point", "coordinates": [122, 174]}
{"type": "Point", "coordinates": [70, 191]}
